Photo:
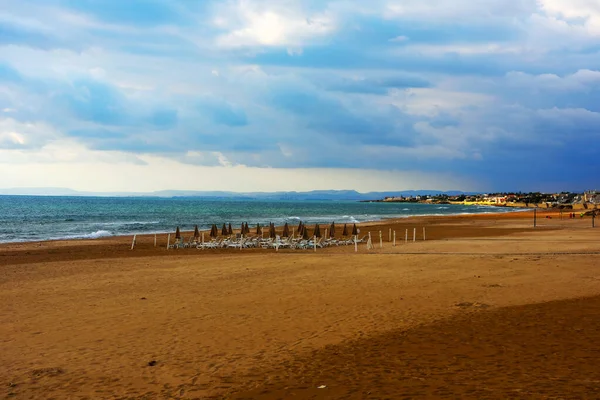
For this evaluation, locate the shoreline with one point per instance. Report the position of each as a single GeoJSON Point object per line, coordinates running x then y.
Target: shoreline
{"type": "Point", "coordinates": [437, 227]}
{"type": "Point", "coordinates": [86, 237]}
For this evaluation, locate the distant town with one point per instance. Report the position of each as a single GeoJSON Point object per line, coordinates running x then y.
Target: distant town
{"type": "Point", "coordinates": [565, 200]}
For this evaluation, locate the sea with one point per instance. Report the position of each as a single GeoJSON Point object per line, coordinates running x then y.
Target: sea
{"type": "Point", "coordinates": [38, 218]}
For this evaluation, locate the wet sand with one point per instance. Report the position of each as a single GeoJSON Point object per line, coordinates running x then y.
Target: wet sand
{"type": "Point", "coordinates": [483, 309]}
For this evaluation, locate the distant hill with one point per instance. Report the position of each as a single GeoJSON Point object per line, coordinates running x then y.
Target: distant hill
{"type": "Point", "coordinates": [311, 195]}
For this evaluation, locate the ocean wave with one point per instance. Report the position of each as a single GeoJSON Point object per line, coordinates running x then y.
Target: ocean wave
{"type": "Point", "coordinates": [443, 208]}
{"type": "Point", "coordinates": [94, 235]}
{"type": "Point", "coordinates": [350, 218]}
{"type": "Point", "coordinates": [127, 223]}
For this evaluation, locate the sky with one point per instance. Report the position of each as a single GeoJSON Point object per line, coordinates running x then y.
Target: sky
{"type": "Point", "coordinates": [266, 95]}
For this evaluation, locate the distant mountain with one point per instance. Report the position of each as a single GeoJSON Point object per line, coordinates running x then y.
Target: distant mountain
{"type": "Point", "coordinates": [311, 195]}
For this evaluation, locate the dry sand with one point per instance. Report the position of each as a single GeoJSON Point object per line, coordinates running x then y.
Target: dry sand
{"type": "Point", "coordinates": [484, 309]}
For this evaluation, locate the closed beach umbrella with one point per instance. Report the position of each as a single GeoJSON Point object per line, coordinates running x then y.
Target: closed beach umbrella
{"type": "Point", "coordinates": [286, 230]}
{"type": "Point", "coordinates": [247, 229]}
{"type": "Point", "coordinates": [196, 232]}
{"type": "Point", "coordinates": [332, 230]}
{"type": "Point", "coordinates": [242, 229]}
{"type": "Point", "coordinates": [300, 227]}
{"type": "Point", "coordinates": [258, 230]}
{"type": "Point", "coordinates": [224, 230]}
{"type": "Point", "coordinates": [345, 231]}
{"type": "Point", "coordinates": [354, 230]}
{"type": "Point", "coordinates": [317, 231]}
{"type": "Point", "coordinates": [229, 230]}
{"type": "Point", "coordinates": [213, 231]}
{"type": "Point", "coordinates": [272, 233]}
{"type": "Point", "coordinates": [304, 233]}
{"type": "Point", "coordinates": [177, 233]}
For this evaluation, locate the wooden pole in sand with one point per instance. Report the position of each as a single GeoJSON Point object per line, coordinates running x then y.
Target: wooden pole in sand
{"type": "Point", "coordinates": [133, 242]}
{"type": "Point", "coordinates": [315, 243]}
{"type": "Point", "coordinates": [390, 235]}
{"type": "Point", "coordinates": [423, 233]}
{"type": "Point", "coordinates": [380, 240]}
{"type": "Point", "coordinates": [593, 220]}
{"type": "Point", "coordinates": [155, 240]}
{"type": "Point", "coordinates": [406, 236]}
{"type": "Point", "coordinates": [394, 239]}
{"type": "Point", "coordinates": [326, 233]}
{"type": "Point", "coordinates": [369, 242]}
{"type": "Point", "coordinates": [414, 234]}
{"type": "Point", "coordinates": [168, 240]}
{"type": "Point", "coordinates": [356, 243]}
{"type": "Point", "coordinates": [534, 217]}
{"type": "Point", "coordinates": [203, 238]}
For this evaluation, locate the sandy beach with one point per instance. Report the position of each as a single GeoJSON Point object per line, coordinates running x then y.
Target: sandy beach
{"type": "Point", "coordinates": [486, 307]}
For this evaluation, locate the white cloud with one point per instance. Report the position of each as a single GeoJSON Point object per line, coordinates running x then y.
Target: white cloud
{"type": "Point", "coordinates": [223, 161]}
{"type": "Point", "coordinates": [398, 39]}
{"type": "Point", "coordinates": [436, 9]}
{"type": "Point", "coordinates": [161, 174]}
{"type": "Point", "coordinates": [585, 13]}
{"type": "Point", "coordinates": [580, 81]}
{"type": "Point", "coordinates": [25, 134]}
{"type": "Point", "coordinates": [251, 25]}
{"type": "Point", "coordinates": [432, 101]}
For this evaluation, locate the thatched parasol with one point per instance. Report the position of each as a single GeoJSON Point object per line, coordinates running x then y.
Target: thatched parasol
{"type": "Point", "coordinates": [272, 233]}
{"type": "Point", "coordinates": [214, 231]}
{"type": "Point", "coordinates": [345, 231]}
{"type": "Point", "coordinates": [229, 230]}
{"type": "Point", "coordinates": [317, 231]}
{"type": "Point", "coordinates": [300, 228]}
{"type": "Point", "coordinates": [258, 229]}
{"type": "Point", "coordinates": [246, 229]}
{"type": "Point", "coordinates": [354, 230]}
{"type": "Point", "coordinates": [177, 233]}
{"type": "Point", "coordinates": [196, 232]}
{"type": "Point", "coordinates": [242, 229]}
{"type": "Point", "coordinates": [332, 230]}
{"type": "Point", "coordinates": [224, 230]}
{"type": "Point", "coordinates": [286, 230]}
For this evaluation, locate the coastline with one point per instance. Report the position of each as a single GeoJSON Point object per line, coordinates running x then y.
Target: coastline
{"type": "Point", "coordinates": [102, 235]}
{"type": "Point", "coordinates": [162, 235]}
{"type": "Point", "coordinates": [446, 227]}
